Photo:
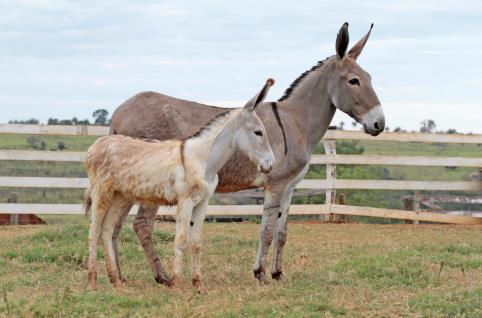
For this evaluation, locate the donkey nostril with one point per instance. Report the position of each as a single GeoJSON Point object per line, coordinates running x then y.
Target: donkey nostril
{"type": "Point", "coordinates": [377, 126]}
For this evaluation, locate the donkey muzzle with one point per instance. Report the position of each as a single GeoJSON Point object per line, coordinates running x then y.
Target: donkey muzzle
{"type": "Point", "coordinates": [374, 121]}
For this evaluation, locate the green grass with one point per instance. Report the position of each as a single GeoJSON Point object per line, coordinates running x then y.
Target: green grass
{"type": "Point", "coordinates": [19, 142]}
{"type": "Point", "coordinates": [354, 270]}
{"type": "Point", "coordinates": [42, 169]}
{"type": "Point", "coordinates": [396, 148]}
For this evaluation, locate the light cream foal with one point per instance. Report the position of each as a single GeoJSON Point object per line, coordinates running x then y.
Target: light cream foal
{"type": "Point", "coordinates": [123, 170]}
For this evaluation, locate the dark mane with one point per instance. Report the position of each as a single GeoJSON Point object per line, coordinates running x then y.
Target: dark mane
{"type": "Point", "coordinates": [209, 123]}
{"type": "Point", "coordinates": [297, 81]}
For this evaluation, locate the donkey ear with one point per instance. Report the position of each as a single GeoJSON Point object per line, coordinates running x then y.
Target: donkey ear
{"type": "Point", "coordinates": [358, 48]}
{"type": "Point", "coordinates": [342, 40]}
{"type": "Point", "coordinates": [258, 98]}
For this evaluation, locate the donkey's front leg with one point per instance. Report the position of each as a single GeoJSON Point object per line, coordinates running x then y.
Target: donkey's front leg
{"type": "Point", "coordinates": [272, 207]}
{"type": "Point", "coordinates": [281, 234]}
{"type": "Point", "coordinates": [282, 229]}
{"type": "Point", "coordinates": [183, 217]}
{"type": "Point", "coordinates": [197, 222]}
{"type": "Point", "coordinates": [144, 226]}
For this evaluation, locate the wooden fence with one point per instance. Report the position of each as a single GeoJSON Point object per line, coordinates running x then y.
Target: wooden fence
{"type": "Point", "coordinates": [329, 185]}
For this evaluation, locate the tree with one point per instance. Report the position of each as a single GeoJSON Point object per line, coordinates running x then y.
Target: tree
{"type": "Point", "coordinates": [341, 125]}
{"type": "Point", "coordinates": [427, 126]}
{"type": "Point", "coordinates": [353, 124]}
{"type": "Point", "coordinates": [451, 131]}
{"type": "Point", "coordinates": [52, 121]}
{"type": "Point", "coordinates": [100, 116]}
{"type": "Point", "coordinates": [31, 121]}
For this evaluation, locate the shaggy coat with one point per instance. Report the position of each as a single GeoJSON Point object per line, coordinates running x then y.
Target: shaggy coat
{"type": "Point", "coordinates": [124, 170]}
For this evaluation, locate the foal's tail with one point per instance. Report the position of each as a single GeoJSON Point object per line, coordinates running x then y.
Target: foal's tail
{"type": "Point", "coordinates": [87, 202]}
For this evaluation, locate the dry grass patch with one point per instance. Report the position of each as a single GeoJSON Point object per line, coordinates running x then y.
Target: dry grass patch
{"type": "Point", "coordinates": [331, 270]}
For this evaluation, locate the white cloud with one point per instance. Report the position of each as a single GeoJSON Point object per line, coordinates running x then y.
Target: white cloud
{"type": "Point", "coordinates": [91, 54]}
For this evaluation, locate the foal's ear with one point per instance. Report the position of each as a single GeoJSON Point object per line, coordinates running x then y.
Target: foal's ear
{"type": "Point", "coordinates": [342, 40]}
{"type": "Point", "coordinates": [358, 48]}
{"type": "Point", "coordinates": [258, 98]}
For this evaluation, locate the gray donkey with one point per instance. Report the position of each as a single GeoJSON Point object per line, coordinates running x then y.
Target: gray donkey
{"type": "Point", "coordinates": [301, 118]}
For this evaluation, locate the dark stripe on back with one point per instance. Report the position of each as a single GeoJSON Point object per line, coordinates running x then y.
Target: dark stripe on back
{"type": "Point", "coordinates": [274, 107]}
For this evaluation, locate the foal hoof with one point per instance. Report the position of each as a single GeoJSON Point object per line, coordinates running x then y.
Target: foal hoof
{"type": "Point", "coordinates": [175, 282]}
{"type": "Point", "coordinates": [92, 278]}
{"type": "Point", "coordinates": [119, 285]}
{"type": "Point", "coordinates": [201, 289]}
{"type": "Point", "coordinates": [277, 275]}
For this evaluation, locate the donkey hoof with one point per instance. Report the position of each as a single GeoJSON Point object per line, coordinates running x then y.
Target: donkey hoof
{"type": "Point", "coordinates": [277, 275]}
{"type": "Point", "coordinates": [260, 276]}
{"type": "Point", "coordinates": [164, 280]}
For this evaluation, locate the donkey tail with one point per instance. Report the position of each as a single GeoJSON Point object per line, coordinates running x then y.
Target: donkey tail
{"type": "Point", "coordinates": [87, 202]}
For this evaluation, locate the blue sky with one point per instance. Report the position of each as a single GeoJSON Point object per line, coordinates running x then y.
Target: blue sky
{"type": "Point", "coordinates": [64, 58]}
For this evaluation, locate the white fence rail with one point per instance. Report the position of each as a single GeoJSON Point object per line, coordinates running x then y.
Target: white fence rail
{"type": "Point", "coordinates": [330, 184]}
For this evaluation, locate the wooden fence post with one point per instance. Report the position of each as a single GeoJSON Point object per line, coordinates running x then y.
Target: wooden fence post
{"type": "Point", "coordinates": [412, 204]}
{"type": "Point", "coordinates": [330, 194]}
{"type": "Point", "coordinates": [13, 198]}
{"type": "Point", "coordinates": [408, 203]}
{"type": "Point", "coordinates": [416, 204]}
{"type": "Point", "coordinates": [342, 218]}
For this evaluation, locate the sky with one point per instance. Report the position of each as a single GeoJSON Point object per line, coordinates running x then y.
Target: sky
{"type": "Point", "coordinates": [68, 58]}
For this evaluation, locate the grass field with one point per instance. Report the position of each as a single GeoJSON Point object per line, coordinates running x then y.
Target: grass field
{"type": "Point", "coordinates": [355, 270]}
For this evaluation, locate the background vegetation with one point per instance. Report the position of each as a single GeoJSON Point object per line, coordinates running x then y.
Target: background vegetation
{"type": "Point", "coordinates": [375, 198]}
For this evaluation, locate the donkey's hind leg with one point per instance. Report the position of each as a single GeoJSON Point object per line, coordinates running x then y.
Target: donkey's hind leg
{"type": "Point", "coordinates": [100, 206]}
{"type": "Point", "coordinates": [144, 226]}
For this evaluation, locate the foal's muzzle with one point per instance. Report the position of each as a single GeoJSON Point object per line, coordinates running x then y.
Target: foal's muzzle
{"type": "Point", "coordinates": [374, 121]}
{"type": "Point", "coordinates": [266, 165]}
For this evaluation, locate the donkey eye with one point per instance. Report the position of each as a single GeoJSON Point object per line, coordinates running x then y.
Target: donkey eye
{"type": "Point", "coordinates": [354, 81]}
{"type": "Point", "coordinates": [258, 133]}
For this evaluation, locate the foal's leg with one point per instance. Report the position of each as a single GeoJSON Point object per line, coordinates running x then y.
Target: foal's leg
{"type": "Point", "coordinates": [119, 209]}
{"type": "Point", "coordinates": [197, 221]}
{"type": "Point", "coordinates": [272, 207]}
{"type": "Point", "coordinates": [100, 206]}
{"type": "Point", "coordinates": [124, 208]}
{"type": "Point", "coordinates": [107, 232]}
{"type": "Point", "coordinates": [183, 217]}
{"type": "Point", "coordinates": [144, 226]}
{"type": "Point", "coordinates": [117, 230]}
{"type": "Point", "coordinates": [282, 229]}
